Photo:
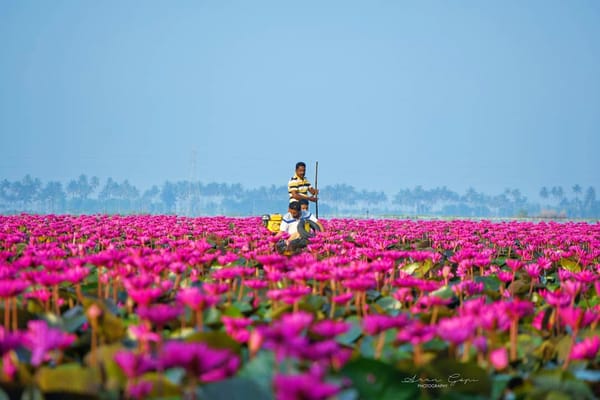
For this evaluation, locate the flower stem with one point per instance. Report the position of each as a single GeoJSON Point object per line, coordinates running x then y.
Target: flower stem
{"type": "Point", "coordinates": [565, 365]}
{"type": "Point", "coordinates": [379, 345]}
{"type": "Point", "coordinates": [514, 329]}
{"type": "Point", "coordinates": [15, 320]}
{"type": "Point", "coordinates": [55, 298]}
{"type": "Point", "coordinates": [332, 310]}
{"type": "Point", "coordinates": [417, 354]}
{"type": "Point", "coordinates": [7, 313]}
{"type": "Point", "coordinates": [199, 320]}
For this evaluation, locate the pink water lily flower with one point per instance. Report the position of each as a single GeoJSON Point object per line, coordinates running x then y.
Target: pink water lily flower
{"type": "Point", "coordinates": [303, 387]}
{"type": "Point", "coordinates": [12, 287]}
{"type": "Point", "coordinates": [376, 323]}
{"type": "Point", "coordinates": [416, 333]}
{"type": "Point", "coordinates": [499, 358]}
{"type": "Point", "coordinates": [134, 364]}
{"type": "Point", "coordinates": [587, 349]}
{"type": "Point", "coordinates": [40, 339]}
{"type": "Point", "coordinates": [159, 314]}
{"type": "Point", "coordinates": [456, 330]}
{"type": "Point", "coordinates": [328, 328]}
{"type": "Point", "coordinates": [196, 299]}
{"type": "Point", "coordinates": [342, 298]}
{"type": "Point", "coordinates": [237, 328]}
{"type": "Point", "coordinates": [139, 390]}
{"type": "Point", "coordinates": [9, 340]}
{"type": "Point", "coordinates": [205, 363]}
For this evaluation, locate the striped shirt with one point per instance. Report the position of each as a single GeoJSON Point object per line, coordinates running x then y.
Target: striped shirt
{"type": "Point", "coordinates": [297, 184]}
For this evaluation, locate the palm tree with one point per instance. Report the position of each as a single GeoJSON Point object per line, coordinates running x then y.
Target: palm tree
{"type": "Point", "coordinates": [544, 194]}
{"type": "Point", "coordinates": [558, 193]}
{"type": "Point", "coordinates": [168, 195]}
{"type": "Point", "coordinates": [53, 194]}
{"type": "Point", "coordinates": [81, 189]}
{"type": "Point", "coordinates": [578, 206]}
{"type": "Point", "coordinates": [589, 202]}
{"type": "Point", "coordinates": [28, 190]}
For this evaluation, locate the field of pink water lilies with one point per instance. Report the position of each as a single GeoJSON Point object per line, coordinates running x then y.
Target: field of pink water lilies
{"type": "Point", "coordinates": [111, 307]}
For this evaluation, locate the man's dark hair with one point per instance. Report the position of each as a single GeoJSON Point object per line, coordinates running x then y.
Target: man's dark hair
{"type": "Point", "coordinates": [294, 205]}
{"type": "Point", "coordinates": [303, 201]}
{"type": "Point", "coordinates": [300, 164]}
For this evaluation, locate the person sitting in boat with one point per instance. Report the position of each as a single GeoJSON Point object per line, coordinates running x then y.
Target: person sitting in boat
{"type": "Point", "coordinates": [298, 224]}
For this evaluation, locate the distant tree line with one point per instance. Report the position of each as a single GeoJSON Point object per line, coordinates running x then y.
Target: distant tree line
{"type": "Point", "coordinates": [87, 195]}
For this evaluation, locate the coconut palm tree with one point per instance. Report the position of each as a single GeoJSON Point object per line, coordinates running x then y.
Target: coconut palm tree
{"type": "Point", "coordinates": [53, 195]}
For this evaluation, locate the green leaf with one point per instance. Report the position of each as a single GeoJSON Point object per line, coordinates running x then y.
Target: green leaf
{"type": "Point", "coordinates": [353, 333]}
{"type": "Point", "coordinates": [115, 378]}
{"type": "Point", "coordinates": [560, 382]}
{"type": "Point", "coordinates": [161, 386]}
{"type": "Point", "coordinates": [73, 319]}
{"type": "Point", "coordinates": [216, 340]}
{"type": "Point", "coordinates": [444, 292]}
{"type": "Point", "coordinates": [570, 265]}
{"type": "Point", "coordinates": [587, 375]}
{"type": "Point", "coordinates": [110, 327]}
{"type": "Point", "coordinates": [425, 268]}
{"type": "Point", "coordinates": [233, 311]}
{"type": "Point", "coordinates": [68, 378]}
{"type": "Point", "coordinates": [499, 383]}
{"type": "Point", "coordinates": [528, 344]}
{"type": "Point", "coordinates": [260, 369]}
{"type": "Point", "coordinates": [563, 346]}
{"type": "Point", "coordinates": [243, 306]}
{"type": "Point", "coordinates": [278, 312]}
{"type": "Point", "coordinates": [556, 395]}
{"type": "Point", "coordinates": [175, 375]}
{"type": "Point", "coordinates": [376, 380]}
{"type": "Point", "coordinates": [235, 389]}
{"type": "Point", "coordinates": [389, 304]}
{"type": "Point", "coordinates": [32, 393]}
{"type": "Point", "coordinates": [212, 316]}
{"type": "Point", "coordinates": [460, 377]}
{"type": "Point", "coordinates": [410, 268]}
{"type": "Point", "coordinates": [490, 282]}
{"type": "Point", "coordinates": [367, 347]}
{"type": "Point", "coordinates": [348, 394]}
{"type": "Point", "coordinates": [316, 301]}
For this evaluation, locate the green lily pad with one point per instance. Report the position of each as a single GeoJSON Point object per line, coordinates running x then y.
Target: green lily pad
{"type": "Point", "coordinates": [459, 377]}
{"type": "Point", "coordinates": [377, 380]}
{"type": "Point", "coordinates": [260, 369]}
{"type": "Point", "coordinates": [216, 340]}
{"type": "Point", "coordinates": [570, 265]}
{"type": "Point", "coordinates": [352, 334]}
{"type": "Point", "coordinates": [559, 383]}
{"type": "Point", "coordinates": [68, 378]}
{"type": "Point", "coordinates": [234, 389]}
{"type": "Point", "coordinates": [161, 386]}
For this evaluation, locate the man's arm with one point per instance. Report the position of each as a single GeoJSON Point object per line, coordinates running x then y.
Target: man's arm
{"type": "Point", "coordinates": [298, 196]}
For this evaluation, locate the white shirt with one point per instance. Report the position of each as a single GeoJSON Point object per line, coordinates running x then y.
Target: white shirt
{"type": "Point", "coordinates": [290, 225]}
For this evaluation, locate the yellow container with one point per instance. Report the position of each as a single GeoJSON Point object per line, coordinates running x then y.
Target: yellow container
{"type": "Point", "coordinates": [272, 221]}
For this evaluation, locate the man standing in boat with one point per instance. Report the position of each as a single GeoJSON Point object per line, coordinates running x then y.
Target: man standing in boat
{"type": "Point", "coordinates": [299, 188]}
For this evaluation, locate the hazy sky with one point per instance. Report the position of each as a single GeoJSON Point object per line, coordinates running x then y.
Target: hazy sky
{"type": "Point", "coordinates": [384, 94]}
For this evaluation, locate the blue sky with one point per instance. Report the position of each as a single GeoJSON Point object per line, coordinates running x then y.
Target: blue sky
{"type": "Point", "coordinates": [384, 94]}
